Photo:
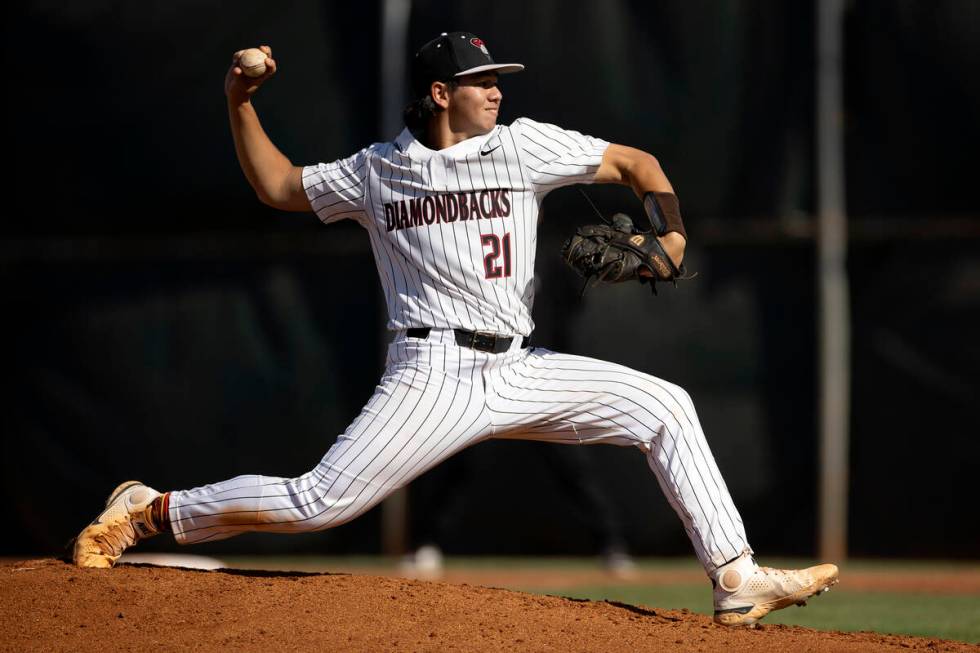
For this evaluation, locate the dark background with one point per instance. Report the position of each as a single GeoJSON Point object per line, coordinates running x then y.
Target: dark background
{"type": "Point", "coordinates": [162, 324]}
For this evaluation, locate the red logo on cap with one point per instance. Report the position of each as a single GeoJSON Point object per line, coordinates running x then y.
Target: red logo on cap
{"type": "Point", "coordinates": [478, 43]}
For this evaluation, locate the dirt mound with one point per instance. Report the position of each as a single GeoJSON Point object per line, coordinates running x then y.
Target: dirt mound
{"type": "Point", "coordinates": [49, 605]}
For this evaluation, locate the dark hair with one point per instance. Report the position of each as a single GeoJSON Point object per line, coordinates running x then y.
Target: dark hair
{"type": "Point", "coordinates": [417, 114]}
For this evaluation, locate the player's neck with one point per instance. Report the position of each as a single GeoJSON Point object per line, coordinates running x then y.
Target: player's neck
{"type": "Point", "coordinates": [438, 135]}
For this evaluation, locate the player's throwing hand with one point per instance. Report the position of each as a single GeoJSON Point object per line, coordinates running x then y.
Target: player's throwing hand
{"type": "Point", "coordinates": [239, 87]}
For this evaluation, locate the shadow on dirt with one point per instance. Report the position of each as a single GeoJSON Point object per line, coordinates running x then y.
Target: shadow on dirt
{"type": "Point", "coordinates": [635, 609]}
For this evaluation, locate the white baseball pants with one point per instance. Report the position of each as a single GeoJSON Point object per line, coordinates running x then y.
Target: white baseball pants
{"type": "Point", "coordinates": [437, 398]}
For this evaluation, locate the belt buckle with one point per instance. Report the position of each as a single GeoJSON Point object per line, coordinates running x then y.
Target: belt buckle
{"type": "Point", "coordinates": [484, 341]}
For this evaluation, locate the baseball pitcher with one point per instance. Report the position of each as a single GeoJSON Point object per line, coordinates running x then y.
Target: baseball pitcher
{"type": "Point", "coordinates": [451, 210]}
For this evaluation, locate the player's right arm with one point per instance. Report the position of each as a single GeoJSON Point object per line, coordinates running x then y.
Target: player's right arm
{"type": "Point", "coordinates": [277, 182]}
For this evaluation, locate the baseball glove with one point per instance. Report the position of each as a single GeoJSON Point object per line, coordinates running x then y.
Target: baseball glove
{"type": "Point", "coordinates": [617, 252]}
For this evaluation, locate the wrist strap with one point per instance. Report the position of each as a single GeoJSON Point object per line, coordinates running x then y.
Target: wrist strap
{"type": "Point", "coordinates": [664, 213]}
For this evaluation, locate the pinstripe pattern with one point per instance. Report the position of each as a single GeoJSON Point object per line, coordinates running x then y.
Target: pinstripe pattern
{"type": "Point", "coordinates": [430, 217]}
{"type": "Point", "coordinates": [434, 274]}
{"type": "Point", "coordinates": [437, 398]}
{"type": "Point", "coordinates": [578, 400]}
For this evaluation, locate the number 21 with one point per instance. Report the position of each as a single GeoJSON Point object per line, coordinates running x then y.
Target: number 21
{"type": "Point", "coordinates": [497, 246]}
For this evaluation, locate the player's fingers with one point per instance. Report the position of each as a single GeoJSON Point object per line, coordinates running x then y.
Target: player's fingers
{"type": "Point", "coordinates": [270, 66]}
{"type": "Point", "coordinates": [266, 49]}
{"type": "Point", "coordinates": [238, 55]}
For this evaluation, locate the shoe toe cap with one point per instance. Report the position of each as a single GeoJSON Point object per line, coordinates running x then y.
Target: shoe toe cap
{"type": "Point", "coordinates": [825, 574]}
{"type": "Point", "coordinates": [94, 562]}
{"type": "Point", "coordinates": [88, 554]}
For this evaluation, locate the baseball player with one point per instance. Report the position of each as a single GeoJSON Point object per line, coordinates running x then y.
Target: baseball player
{"type": "Point", "coordinates": [451, 209]}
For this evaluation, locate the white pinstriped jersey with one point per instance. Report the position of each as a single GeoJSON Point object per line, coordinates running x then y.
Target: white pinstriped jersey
{"type": "Point", "coordinates": [454, 231]}
{"type": "Point", "coordinates": [453, 234]}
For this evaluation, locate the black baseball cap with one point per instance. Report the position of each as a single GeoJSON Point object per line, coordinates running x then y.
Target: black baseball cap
{"type": "Point", "coordinates": [450, 55]}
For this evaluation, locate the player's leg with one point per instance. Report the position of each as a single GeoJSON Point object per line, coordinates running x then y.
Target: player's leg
{"type": "Point", "coordinates": [576, 400]}
{"type": "Point", "coordinates": [429, 405]}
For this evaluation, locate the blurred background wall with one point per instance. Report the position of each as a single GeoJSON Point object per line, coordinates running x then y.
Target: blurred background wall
{"type": "Point", "coordinates": [160, 323]}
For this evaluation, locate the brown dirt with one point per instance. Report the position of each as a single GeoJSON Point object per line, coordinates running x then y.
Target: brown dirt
{"type": "Point", "coordinates": [48, 605]}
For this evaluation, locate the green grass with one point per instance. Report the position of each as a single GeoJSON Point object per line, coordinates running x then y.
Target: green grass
{"type": "Point", "coordinates": [926, 615]}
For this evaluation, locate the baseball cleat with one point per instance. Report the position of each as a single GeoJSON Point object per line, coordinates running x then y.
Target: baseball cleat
{"type": "Point", "coordinates": [745, 592]}
{"type": "Point", "coordinates": [124, 522]}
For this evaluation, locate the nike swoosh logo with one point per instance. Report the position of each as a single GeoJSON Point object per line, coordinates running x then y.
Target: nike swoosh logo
{"type": "Point", "coordinates": [490, 150]}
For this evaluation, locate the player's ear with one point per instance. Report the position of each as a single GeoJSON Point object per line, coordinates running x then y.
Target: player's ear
{"type": "Point", "coordinates": [440, 94]}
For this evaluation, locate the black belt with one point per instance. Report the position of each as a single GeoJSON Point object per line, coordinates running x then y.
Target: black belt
{"type": "Point", "coordinates": [479, 340]}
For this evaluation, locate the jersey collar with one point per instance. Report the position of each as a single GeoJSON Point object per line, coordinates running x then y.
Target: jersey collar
{"type": "Point", "coordinates": [408, 144]}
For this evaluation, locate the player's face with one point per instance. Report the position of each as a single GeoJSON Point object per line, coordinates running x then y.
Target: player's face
{"type": "Point", "coordinates": [474, 104]}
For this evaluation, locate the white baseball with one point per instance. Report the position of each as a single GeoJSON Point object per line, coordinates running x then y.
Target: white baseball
{"type": "Point", "coordinates": [252, 62]}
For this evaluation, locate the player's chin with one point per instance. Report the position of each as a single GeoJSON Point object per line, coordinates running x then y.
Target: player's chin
{"type": "Point", "coordinates": [490, 120]}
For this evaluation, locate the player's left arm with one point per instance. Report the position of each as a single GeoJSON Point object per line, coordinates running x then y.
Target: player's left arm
{"type": "Point", "coordinates": [641, 171]}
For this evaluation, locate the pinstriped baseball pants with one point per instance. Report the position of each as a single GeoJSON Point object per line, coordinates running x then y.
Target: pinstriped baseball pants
{"type": "Point", "coordinates": [437, 398]}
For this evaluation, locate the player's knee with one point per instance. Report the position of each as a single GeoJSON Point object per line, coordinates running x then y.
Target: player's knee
{"type": "Point", "coordinates": [659, 394]}
{"type": "Point", "coordinates": [682, 397]}
{"type": "Point", "coordinates": [330, 506]}
{"type": "Point", "coordinates": [675, 398]}
{"type": "Point", "coordinates": [669, 406]}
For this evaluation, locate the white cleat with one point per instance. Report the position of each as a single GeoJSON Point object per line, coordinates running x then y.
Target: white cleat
{"type": "Point", "coordinates": [124, 522]}
{"type": "Point", "coordinates": [745, 592]}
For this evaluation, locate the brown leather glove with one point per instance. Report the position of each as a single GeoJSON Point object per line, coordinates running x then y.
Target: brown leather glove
{"type": "Point", "coordinates": [617, 252]}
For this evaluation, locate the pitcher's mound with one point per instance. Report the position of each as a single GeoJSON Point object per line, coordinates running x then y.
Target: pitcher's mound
{"type": "Point", "coordinates": [50, 605]}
